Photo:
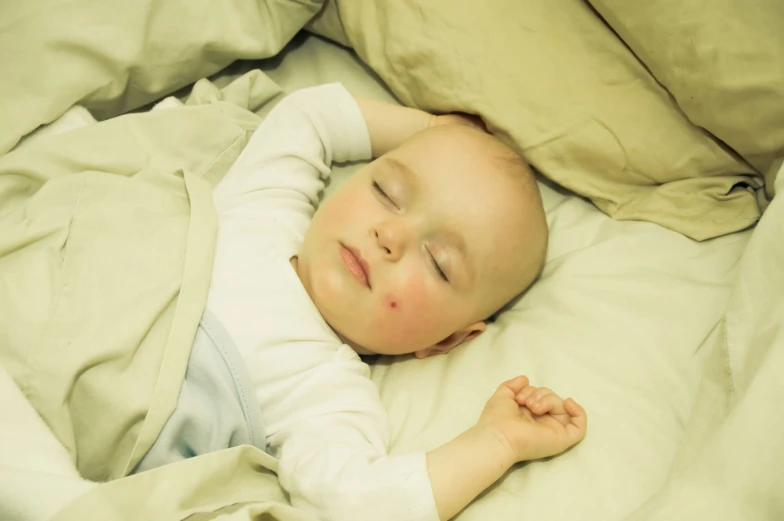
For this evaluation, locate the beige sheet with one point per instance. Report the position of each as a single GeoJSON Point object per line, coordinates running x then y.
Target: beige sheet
{"type": "Point", "coordinates": [106, 253]}
{"type": "Point", "coordinates": [113, 55]}
{"type": "Point", "coordinates": [37, 476]}
{"type": "Point", "coordinates": [237, 484]}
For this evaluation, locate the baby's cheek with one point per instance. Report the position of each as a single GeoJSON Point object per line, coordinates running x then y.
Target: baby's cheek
{"type": "Point", "coordinates": [393, 305]}
{"type": "Point", "coordinates": [401, 327]}
{"type": "Point", "coordinates": [406, 318]}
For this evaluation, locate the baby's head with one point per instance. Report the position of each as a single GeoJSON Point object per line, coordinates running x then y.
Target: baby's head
{"type": "Point", "coordinates": [416, 250]}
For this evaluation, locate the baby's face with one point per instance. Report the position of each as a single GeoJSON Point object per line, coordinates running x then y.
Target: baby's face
{"type": "Point", "coordinates": [415, 247]}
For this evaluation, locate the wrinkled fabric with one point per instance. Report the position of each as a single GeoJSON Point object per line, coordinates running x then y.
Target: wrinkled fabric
{"type": "Point", "coordinates": [107, 236]}
{"type": "Point", "coordinates": [216, 408]}
{"type": "Point", "coordinates": [556, 82]}
{"type": "Point", "coordinates": [723, 62]}
{"type": "Point", "coordinates": [115, 56]}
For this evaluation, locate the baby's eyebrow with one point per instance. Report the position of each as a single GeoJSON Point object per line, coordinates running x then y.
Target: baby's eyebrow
{"type": "Point", "coordinates": [457, 241]}
{"type": "Point", "coordinates": [408, 173]}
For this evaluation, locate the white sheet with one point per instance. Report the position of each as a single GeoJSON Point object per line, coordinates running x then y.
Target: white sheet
{"type": "Point", "coordinates": [37, 476]}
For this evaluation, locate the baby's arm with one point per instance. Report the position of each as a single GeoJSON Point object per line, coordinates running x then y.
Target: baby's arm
{"type": "Point", "coordinates": [519, 423]}
{"type": "Point", "coordinates": [390, 125]}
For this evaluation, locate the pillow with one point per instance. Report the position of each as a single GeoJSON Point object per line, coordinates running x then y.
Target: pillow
{"type": "Point", "coordinates": [550, 77]}
{"type": "Point", "coordinates": [722, 60]}
{"type": "Point", "coordinates": [616, 321]}
{"type": "Point", "coordinates": [112, 56]}
{"type": "Point", "coordinates": [729, 464]}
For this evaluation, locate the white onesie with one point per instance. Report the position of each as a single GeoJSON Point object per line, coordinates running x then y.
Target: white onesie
{"type": "Point", "coordinates": [321, 412]}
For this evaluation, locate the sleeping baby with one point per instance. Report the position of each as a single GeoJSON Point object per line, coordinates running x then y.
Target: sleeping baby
{"type": "Point", "coordinates": [412, 254]}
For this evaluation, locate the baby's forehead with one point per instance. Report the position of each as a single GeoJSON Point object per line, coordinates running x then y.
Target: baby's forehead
{"type": "Point", "coordinates": [494, 227]}
{"type": "Point", "coordinates": [473, 148]}
{"type": "Point", "coordinates": [483, 183]}
{"type": "Point", "coordinates": [462, 141]}
{"type": "Point", "coordinates": [490, 195]}
{"type": "Point", "coordinates": [475, 178]}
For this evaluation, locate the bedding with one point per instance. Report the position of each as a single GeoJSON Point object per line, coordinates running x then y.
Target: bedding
{"type": "Point", "coordinates": [37, 477]}
{"type": "Point", "coordinates": [552, 78]}
{"type": "Point", "coordinates": [106, 254]}
{"type": "Point", "coordinates": [112, 56]}
{"type": "Point", "coordinates": [729, 463]}
{"type": "Point", "coordinates": [722, 62]}
{"type": "Point", "coordinates": [672, 345]}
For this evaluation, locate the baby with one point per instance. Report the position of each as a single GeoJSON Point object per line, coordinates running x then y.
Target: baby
{"type": "Point", "coordinates": [410, 255]}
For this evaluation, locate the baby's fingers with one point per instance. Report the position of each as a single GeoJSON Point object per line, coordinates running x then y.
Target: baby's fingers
{"type": "Point", "coordinates": [549, 403]}
{"type": "Point", "coordinates": [537, 396]}
{"type": "Point", "coordinates": [579, 418]}
{"type": "Point", "coordinates": [515, 385]}
{"type": "Point", "coordinates": [523, 396]}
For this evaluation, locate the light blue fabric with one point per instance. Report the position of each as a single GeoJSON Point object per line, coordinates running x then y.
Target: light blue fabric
{"type": "Point", "coordinates": [216, 408]}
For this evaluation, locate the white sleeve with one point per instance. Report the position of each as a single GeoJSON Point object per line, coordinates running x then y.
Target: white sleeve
{"type": "Point", "coordinates": [285, 163]}
{"type": "Point", "coordinates": [330, 432]}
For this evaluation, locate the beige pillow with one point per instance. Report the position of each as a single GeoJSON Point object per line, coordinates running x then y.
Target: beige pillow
{"type": "Point", "coordinates": [722, 60]}
{"type": "Point", "coordinates": [551, 77]}
{"type": "Point", "coordinates": [116, 55]}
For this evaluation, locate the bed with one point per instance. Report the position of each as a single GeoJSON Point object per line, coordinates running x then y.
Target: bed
{"type": "Point", "coordinates": [659, 307]}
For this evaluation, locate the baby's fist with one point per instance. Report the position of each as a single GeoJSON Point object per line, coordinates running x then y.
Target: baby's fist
{"type": "Point", "coordinates": [533, 422]}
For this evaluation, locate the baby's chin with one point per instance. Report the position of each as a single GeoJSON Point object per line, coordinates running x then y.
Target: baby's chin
{"type": "Point", "coordinates": [362, 351]}
{"type": "Point", "coordinates": [365, 351]}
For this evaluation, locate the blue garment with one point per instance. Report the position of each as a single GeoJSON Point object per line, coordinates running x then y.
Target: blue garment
{"type": "Point", "coordinates": [216, 408]}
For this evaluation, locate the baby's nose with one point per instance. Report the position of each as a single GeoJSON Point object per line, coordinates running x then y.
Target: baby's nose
{"type": "Point", "coordinates": [392, 239]}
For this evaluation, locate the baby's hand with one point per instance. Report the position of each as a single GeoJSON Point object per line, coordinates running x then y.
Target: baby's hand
{"type": "Point", "coordinates": [459, 118]}
{"type": "Point", "coordinates": [533, 422]}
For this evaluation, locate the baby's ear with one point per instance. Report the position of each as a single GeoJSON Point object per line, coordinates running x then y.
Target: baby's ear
{"type": "Point", "coordinates": [453, 340]}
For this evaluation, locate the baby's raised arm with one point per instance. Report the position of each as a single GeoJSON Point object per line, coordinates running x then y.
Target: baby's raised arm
{"type": "Point", "coordinates": [390, 125]}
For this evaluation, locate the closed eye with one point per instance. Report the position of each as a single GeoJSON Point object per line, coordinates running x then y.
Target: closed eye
{"type": "Point", "coordinates": [437, 267]}
{"type": "Point", "coordinates": [380, 191]}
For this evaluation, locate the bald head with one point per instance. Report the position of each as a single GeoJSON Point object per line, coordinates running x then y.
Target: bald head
{"type": "Point", "coordinates": [509, 212]}
{"type": "Point", "coordinates": [447, 228]}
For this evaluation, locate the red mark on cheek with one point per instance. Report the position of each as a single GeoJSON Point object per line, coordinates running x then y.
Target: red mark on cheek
{"type": "Point", "coordinates": [392, 302]}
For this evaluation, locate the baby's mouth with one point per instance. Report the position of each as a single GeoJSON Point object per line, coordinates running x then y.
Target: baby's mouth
{"type": "Point", "coordinates": [355, 264]}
